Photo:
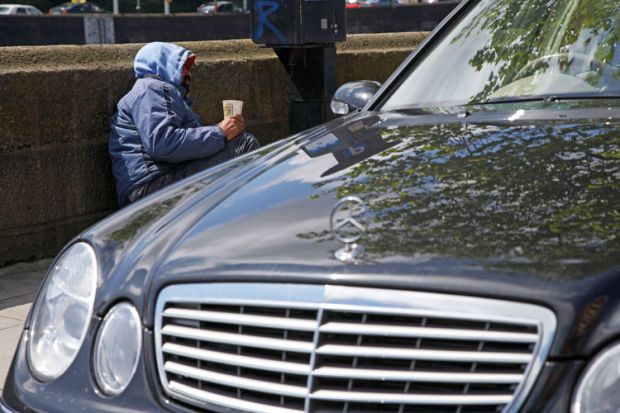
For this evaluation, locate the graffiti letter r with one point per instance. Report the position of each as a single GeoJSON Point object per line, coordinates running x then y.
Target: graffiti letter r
{"type": "Point", "coordinates": [263, 8]}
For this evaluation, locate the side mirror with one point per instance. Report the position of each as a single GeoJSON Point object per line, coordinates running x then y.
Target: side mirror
{"type": "Point", "coordinates": [353, 96]}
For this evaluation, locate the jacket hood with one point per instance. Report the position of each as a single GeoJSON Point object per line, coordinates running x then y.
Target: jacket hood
{"type": "Point", "coordinates": [164, 60]}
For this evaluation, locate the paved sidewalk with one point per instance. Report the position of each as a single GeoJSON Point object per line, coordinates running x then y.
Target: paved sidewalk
{"type": "Point", "coordinates": [19, 284]}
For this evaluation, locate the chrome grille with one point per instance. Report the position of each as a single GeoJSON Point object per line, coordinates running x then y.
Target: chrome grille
{"type": "Point", "coordinates": [275, 348]}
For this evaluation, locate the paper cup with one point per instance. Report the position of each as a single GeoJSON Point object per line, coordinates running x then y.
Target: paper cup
{"type": "Point", "coordinates": [232, 107]}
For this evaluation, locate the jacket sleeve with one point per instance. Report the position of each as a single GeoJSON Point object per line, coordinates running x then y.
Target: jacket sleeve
{"type": "Point", "coordinates": [159, 115]}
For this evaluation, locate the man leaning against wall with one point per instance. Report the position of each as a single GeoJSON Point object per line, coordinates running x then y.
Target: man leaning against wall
{"type": "Point", "coordinates": [155, 136]}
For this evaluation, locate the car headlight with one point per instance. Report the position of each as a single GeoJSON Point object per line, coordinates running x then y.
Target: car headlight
{"type": "Point", "coordinates": [597, 391]}
{"type": "Point", "coordinates": [62, 312]}
{"type": "Point", "coordinates": [117, 349]}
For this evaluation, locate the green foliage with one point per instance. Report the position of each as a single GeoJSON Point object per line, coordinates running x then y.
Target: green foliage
{"type": "Point", "coordinates": [523, 32]}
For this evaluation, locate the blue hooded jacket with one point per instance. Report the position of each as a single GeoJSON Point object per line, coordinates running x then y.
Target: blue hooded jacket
{"type": "Point", "coordinates": [154, 129]}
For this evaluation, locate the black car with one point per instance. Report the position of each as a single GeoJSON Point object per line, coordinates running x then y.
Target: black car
{"type": "Point", "coordinates": [76, 8]}
{"type": "Point", "coordinates": [451, 245]}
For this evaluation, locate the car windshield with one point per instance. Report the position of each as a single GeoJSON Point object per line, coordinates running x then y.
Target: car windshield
{"type": "Point", "coordinates": [505, 50]}
{"type": "Point", "coordinates": [4, 10]}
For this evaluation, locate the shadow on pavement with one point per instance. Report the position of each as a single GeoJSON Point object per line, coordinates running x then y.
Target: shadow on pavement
{"type": "Point", "coordinates": [19, 283]}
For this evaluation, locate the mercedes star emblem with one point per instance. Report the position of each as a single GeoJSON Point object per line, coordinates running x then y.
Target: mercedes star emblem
{"type": "Point", "coordinates": [348, 225]}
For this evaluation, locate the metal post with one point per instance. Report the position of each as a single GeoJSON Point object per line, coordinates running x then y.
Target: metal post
{"type": "Point", "coordinates": [115, 7]}
{"type": "Point", "coordinates": [311, 83]}
{"type": "Point", "coordinates": [166, 7]}
{"type": "Point", "coordinates": [137, 6]}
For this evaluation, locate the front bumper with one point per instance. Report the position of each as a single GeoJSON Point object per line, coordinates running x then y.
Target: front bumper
{"type": "Point", "coordinates": [550, 394]}
{"type": "Point", "coordinates": [76, 390]}
{"type": "Point", "coordinates": [5, 409]}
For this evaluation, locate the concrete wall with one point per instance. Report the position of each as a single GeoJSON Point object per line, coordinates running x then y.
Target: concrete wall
{"type": "Point", "coordinates": [55, 103]}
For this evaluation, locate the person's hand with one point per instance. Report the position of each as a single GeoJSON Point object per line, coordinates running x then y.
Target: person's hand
{"type": "Point", "coordinates": [232, 126]}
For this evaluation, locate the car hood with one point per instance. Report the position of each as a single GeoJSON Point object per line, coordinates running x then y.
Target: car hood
{"type": "Point", "coordinates": [536, 198]}
{"type": "Point", "coordinates": [520, 205]}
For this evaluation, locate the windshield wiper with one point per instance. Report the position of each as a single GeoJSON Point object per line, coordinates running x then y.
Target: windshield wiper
{"type": "Point", "coordinates": [509, 99]}
{"type": "Point", "coordinates": [546, 98]}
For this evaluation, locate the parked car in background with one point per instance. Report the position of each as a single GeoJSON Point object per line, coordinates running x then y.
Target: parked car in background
{"type": "Point", "coordinates": [379, 3]}
{"type": "Point", "coordinates": [76, 8]}
{"type": "Point", "coordinates": [19, 9]}
{"type": "Point", "coordinates": [222, 7]}
{"type": "Point", "coordinates": [412, 2]}
{"type": "Point", "coordinates": [353, 4]}
{"type": "Point", "coordinates": [450, 244]}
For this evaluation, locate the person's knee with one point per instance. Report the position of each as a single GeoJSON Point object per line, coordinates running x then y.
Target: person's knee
{"type": "Point", "coordinates": [255, 143]}
{"type": "Point", "coordinates": [248, 143]}
{"type": "Point", "coordinates": [252, 141]}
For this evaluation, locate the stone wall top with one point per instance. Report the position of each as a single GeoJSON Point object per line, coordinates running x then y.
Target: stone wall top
{"type": "Point", "coordinates": [54, 58]}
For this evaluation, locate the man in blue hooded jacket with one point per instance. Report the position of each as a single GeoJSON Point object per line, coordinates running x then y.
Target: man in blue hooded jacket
{"type": "Point", "coordinates": [155, 137]}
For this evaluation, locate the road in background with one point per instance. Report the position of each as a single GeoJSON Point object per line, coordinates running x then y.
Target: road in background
{"type": "Point", "coordinates": [122, 29]}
